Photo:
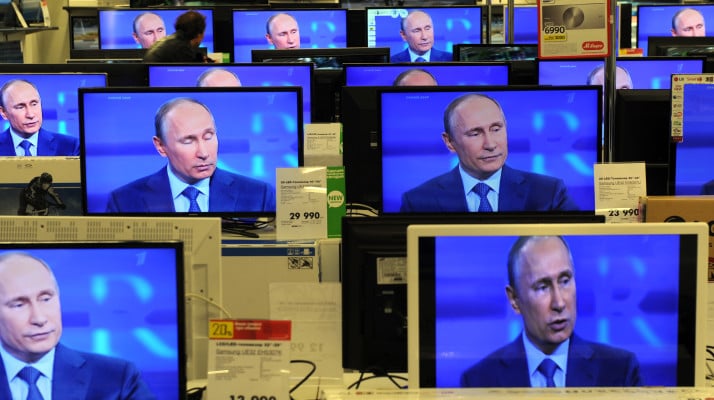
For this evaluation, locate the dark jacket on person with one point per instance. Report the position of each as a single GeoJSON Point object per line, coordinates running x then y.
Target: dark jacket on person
{"type": "Point", "coordinates": [174, 48]}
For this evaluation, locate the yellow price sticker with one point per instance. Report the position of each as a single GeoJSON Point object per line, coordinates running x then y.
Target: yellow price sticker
{"type": "Point", "coordinates": [555, 38]}
{"type": "Point", "coordinates": [220, 330]}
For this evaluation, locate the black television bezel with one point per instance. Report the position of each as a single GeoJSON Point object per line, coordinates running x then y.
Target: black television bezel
{"type": "Point", "coordinates": [374, 333]}
{"type": "Point", "coordinates": [446, 64]}
{"type": "Point", "coordinates": [178, 246]}
{"type": "Point", "coordinates": [657, 45]}
{"type": "Point", "coordinates": [285, 55]}
{"type": "Point", "coordinates": [460, 48]}
{"type": "Point", "coordinates": [129, 74]}
{"type": "Point", "coordinates": [225, 215]}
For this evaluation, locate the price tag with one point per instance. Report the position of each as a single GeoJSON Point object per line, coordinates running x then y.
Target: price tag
{"type": "Point", "coordinates": [620, 215]}
{"type": "Point", "coordinates": [618, 188]}
{"type": "Point", "coordinates": [248, 360]}
{"type": "Point", "coordinates": [573, 28]}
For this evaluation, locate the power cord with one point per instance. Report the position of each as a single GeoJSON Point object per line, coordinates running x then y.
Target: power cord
{"type": "Point", "coordinates": [209, 301]}
{"type": "Point", "coordinates": [307, 376]}
{"type": "Point", "coordinates": [392, 378]}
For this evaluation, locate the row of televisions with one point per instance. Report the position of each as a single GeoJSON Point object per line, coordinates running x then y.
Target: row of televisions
{"type": "Point", "coordinates": [329, 28]}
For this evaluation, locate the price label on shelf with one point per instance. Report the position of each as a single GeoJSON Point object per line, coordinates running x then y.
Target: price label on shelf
{"type": "Point", "coordinates": [573, 28]}
{"type": "Point", "coordinates": [248, 360]}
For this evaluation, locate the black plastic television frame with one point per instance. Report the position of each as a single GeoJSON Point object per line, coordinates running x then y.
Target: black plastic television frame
{"type": "Point", "coordinates": [696, 46]}
{"type": "Point", "coordinates": [118, 74]}
{"type": "Point", "coordinates": [374, 323]}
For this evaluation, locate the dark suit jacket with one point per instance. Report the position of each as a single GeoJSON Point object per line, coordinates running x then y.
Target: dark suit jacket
{"type": "Point", "coordinates": [708, 188]}
{"type": "Point", "coordinates": [520, 191]}
{"type": "Point", "coordinates": [589, 364]}
{"type": "Point", "coordinates": [229, 193]}
{"type": "Point", "coordinates": [48, 144]}
{"type": "Point", "coordinates": [436, 55]}
{"type": "Point", "coordinates": [80, 376]}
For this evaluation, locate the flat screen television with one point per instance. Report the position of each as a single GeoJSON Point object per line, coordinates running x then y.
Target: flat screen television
{"type": "Point", "coordinates": [258, 129]}
{"type": "Point", "coordinates": [525, 25]}
{"type": "Point", "coordinates": [118, 74]}
{"type": "Point", "coordinates": [58, 97]}
{"type": "Point", "coordinates": [447, 27]}
{"type": "Point", "coordinates": [316, 28]}
{"type": "Point", "coordinates": [553, 131]}
{"type": "Point", "coordinates": [248, 74]}
{"type": "Point", "coordinates": [669, 46]}
{"type": "Point", "coordinates": [697, 146]}
{"type": "Point", "coordinates": [129, 306]}
{"type": "Point", "coordinates": [326, 58]}
{"type": "Point", "coordinates": [138, 28]}
{"type": "Point", "coordinates": [447, 74]}
{"type": "Point", "coordinates": [632, 72]}
{"type": "Point", "coordinates": [374, 282]}
{"type": "Point", "coordinates": [495, 52]}
{"type": "Point", "coordinates": [659, 20]}
{"type": "Point", "coordinates": [640, 291]}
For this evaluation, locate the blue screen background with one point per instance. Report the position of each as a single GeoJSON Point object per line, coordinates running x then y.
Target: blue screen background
{"type": "Point", "coordinates": [657, 20]}
{"type": "Point", "coordinates": [551, 132]}
{"type": "Point", "coordinates": [695, 152]}
{"type": "Point", "coordinates": [446, 75]}
{"type": "Point", "coordinates": [257, 131]}
{"type": "Point", "coordinates": [627, 291]}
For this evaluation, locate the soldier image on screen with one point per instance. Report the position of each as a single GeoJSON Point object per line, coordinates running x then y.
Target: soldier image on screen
{"type": "Point", "coordinates": [38, 196]}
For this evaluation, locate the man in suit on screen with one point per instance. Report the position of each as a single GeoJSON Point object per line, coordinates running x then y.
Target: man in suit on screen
{"type": "Point", "coordinates": [417, 30]}
{"type": "Point", "coordinates": [191, 182]}
{"type": "Point", "coordinates": [541, 288]}
{"type": "Point", "coordinates": [475, 129]}
{"type": "Point", "coordinates": [21, 106]}
{"type": "Point", "coordinates": [35, 365]}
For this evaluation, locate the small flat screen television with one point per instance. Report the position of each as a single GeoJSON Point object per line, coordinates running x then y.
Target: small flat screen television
{"type": "Point", "coordinates": [672, 20]}
{"type": "Point", "coordinates": [128, 306]}
{"type": "Point", "coordinates": [449, 26]}
{"type": "Point", "coordinates": [525, 25]}
{"type": "Point", "coordinates": [669, 46]}
{"type": "Point", "coordinates": [316, 28]}
{"type": "Point", "coordinates": [447, 74]}
{"type": "Point", "coordinates": [246, 134]}
{"type": "Point", "coordinates": [118, 74]}
{"type": "Point", "coordinates": [325, 58]}
{"type": "Point", "coordinates": [58, 97]}
{"type": "Point", "coordinates": [697, 146]}
{"type": "Point", "coordinates": [374, 282]}
{"type": "Point", "coordinates": [139, 28]}
{"type": "Point", "coordinates": [495, 52]}
{"type": "Point", "coordinates": [632, 72]}
{"type": "Point", "coordinates": [633, 306]}
{"type": "Point", "coordinates": [552, 131]}
{"type": "Point", "coordinates": [247, 74]}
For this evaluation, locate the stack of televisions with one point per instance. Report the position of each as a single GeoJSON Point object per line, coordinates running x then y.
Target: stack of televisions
{"type": "Point", "coordinates": [393, 143]}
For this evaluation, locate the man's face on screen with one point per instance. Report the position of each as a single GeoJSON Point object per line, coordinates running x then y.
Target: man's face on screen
{"type": "Point", "coordinates": [30, 314]}
{"type": "Point", "coordinates": [284, 32]}
{"type": "Point", "coordinates": [220, 78]}
{"type": "Point", "coordinates": [622, 78]}
{"type": "Point", "coordinates": [418, 32]}
{"type": "Point", "coordinates": [190, 142]}
{"type": "Point", "coordinates": [545, 292]}
{"type": "Point", "coordinates": [689, 22]}
{"type": "Point", "coordinates": [478, 137]}
{"type": "Point", "coordinates": [148, 29]}
{"type": "Point", "coordinates": [22, 107]}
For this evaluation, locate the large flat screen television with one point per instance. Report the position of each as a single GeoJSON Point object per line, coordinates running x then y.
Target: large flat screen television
{"type": "Point", "coordinates": [553, 132]}
{"type": "Point", "coordinates": [697, 146]}
{"type": "Point", "coordinates": [429, 29]}
{"type": "Point", "coordinates": [129, 306]}
{"type": "Point", "coordinates": [55, 113]}
{"type": "Point", "coordinates": [632, 72]}
{"type": "Point", "coordinates": [258, 129]}
{"type": "Point", "coordinates": [140, 28]}
{"type": "Point", "coordinates": [629, 311]}
{"type": "Point", "coordinates": [672, 20]}
{"type": "Point", "coordinates": [246, 74]}
{"type": "Point", "coordinates": [446, 74]}
{"type": "Point", "coordinates": [287, 29]}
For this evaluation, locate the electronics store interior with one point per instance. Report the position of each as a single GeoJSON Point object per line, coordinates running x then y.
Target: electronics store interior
{"type": "Point", "coordinates": [311, 260]}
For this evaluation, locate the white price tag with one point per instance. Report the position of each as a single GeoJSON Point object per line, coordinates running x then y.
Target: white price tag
{"type": "Point", "coordinates": [301, 203]}
{"type": "Point", "coordinates": [618, 188]}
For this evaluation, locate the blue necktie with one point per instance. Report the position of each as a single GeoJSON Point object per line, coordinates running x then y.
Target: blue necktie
{"type": "Point", "coordinates": [420, 59]}
{"type": "Point", "coordinates": [26, 146]}
{"type": "Point", "coordinates": [192, 194]}
{"type": "Point", "coordinates": [30, 376]}
{"type": "Point", "coordinates": [482, 189]}
{"type": "Point", "coordinates": [547, 368]}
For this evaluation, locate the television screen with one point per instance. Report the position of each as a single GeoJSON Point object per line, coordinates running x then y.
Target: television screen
{"type": "Point", "coordinates": [129, 307]}
{"type": "Point", "coordinates": [288, 28]}
{"type": "Point", "coordinates": [525, 25]}
{"type": "Point", "coordinates": [140, 28]}
{"type": "Point", "coordinates": [259, 130]}
{"type": "Point", "coordinates": [672, 20]}
{"type": "Point", "coordinates": [629, 311]}
{"type": "Point", "coordinates": [248, 74]}
{"type": "Point", "coordinates": [678, 46]}
{"type": "Point", "coordinates": [118, 74]}
{"type": "Point", "coordinates": [55, 114]}
{"type": "Point", "coordinates": [495, 52]}
{"type": "Point", "coordinates": [445, 74]}
{"type": "Point", "coordinates": [324, 59]}
{"type": "Point", "coordinates": [632, 73]}
{"type": "Point", "coordinates": [502, 135]}
{"type": "Point", "coordinates": [697, 146]}
{"type": "Point", "coordinates": [428, 32]}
